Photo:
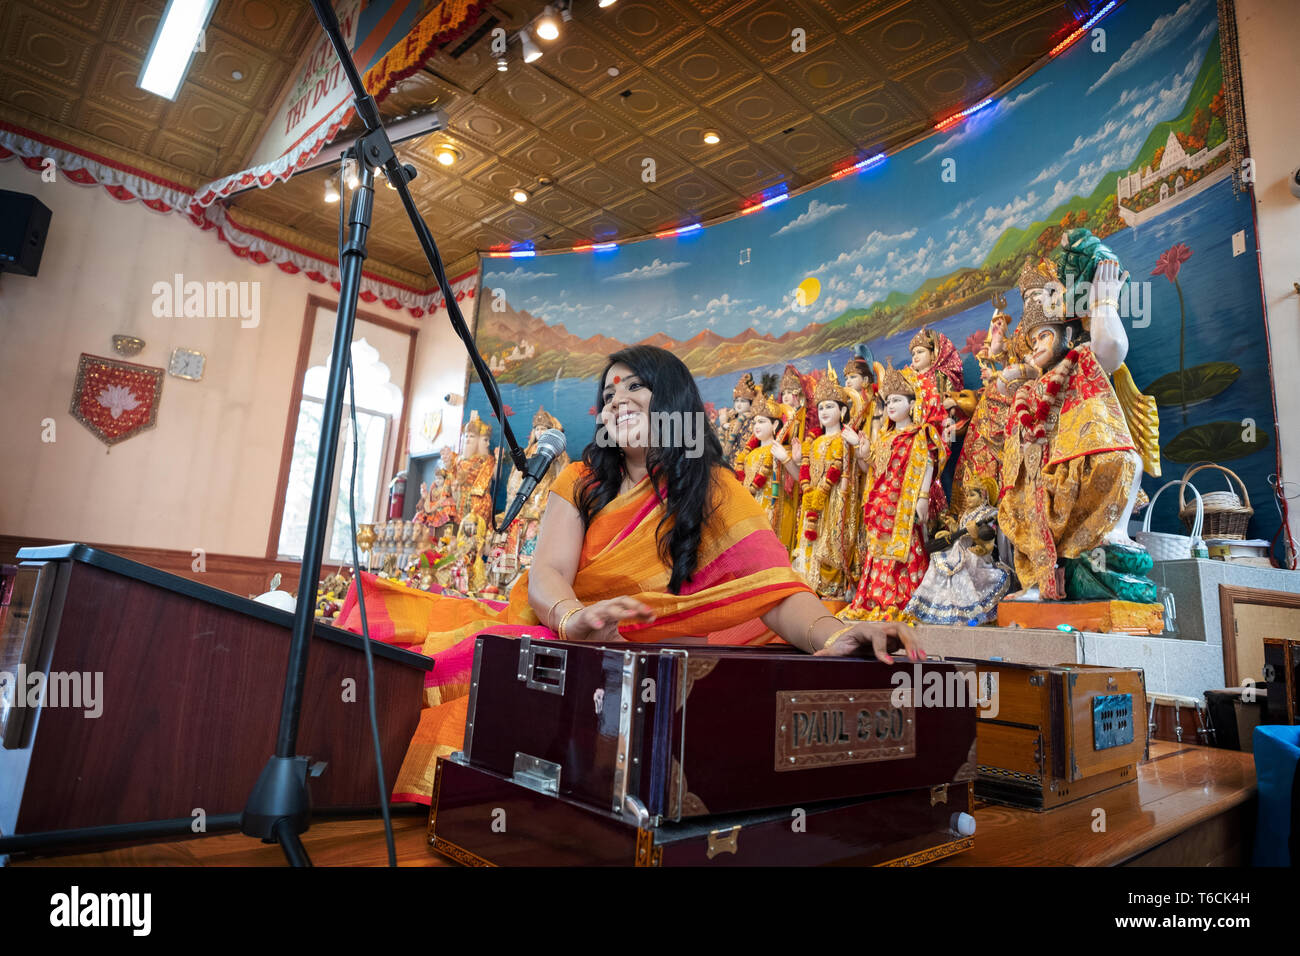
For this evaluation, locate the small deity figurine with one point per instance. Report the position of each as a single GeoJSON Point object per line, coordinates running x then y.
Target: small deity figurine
{"type": "Point", "coordinates": [761, 472]}
{"type": "Point", "coordinates": [1001, 357]}
{"type": "Point", "coordinates": [536, 503]}
{"type": "Point", "coordinates": [934, 354]}
{"type": "Point", "coordinates": [465, 572]}
{"type": "Point", "coordinates": [964, 583]}
{"type": "Point", "coordinates": [903, 467]}
{"type": "Point", "coordinates": [437, 507]}
{"type": "Point", "coordinates": [735, 432]}
{"type": "Point", "coordinates": [1071, 468]}
{"type": "Point", "coordinates": [827, 528]}
{"type": "Point", "coordinates": [469, 475]}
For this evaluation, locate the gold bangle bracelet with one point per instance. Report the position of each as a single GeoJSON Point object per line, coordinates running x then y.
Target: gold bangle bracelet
{"type": "Point", "coordinates": [1110, 302]}
{"type": "Point", "coordinates": [564, 621]}
{"type": "Point", "coordinates": [807, 636]}
{"type": "Point", "coordinates": [550, 615]}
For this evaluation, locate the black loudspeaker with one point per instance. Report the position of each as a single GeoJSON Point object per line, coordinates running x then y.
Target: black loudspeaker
{"type": "Point", "coordinates": [24, 222]}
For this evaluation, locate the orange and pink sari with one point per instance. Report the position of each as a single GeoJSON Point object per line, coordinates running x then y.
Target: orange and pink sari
{"type": "Point", "coordinates": [743, 572]}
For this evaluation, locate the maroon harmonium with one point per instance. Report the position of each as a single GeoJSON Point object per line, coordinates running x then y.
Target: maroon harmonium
{"type": "Point", "coordinates": [670, 740]}
{"type": "Point", "coordinates": [695, 730]}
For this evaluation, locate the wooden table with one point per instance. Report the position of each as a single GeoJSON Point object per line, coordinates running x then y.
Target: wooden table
{"type": "Point", "coordinates": [1190, 806]}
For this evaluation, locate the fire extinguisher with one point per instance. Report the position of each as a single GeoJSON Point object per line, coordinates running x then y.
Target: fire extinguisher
{"type": "Point", "coordinates": [397, 496]}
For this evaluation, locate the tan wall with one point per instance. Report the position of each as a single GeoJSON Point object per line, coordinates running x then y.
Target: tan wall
{"type": "Point", "coordinates": [206, 475]}
{"type": "Point", "coordinates": [1269, 34]}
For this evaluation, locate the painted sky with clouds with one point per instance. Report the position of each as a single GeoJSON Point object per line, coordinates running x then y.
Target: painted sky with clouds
{"type": "Point", "coordinates": [893, 226]}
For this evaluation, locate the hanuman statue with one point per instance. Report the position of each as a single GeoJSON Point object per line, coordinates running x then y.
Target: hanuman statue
{"type": "Point", "coordinates": [1071, 467]}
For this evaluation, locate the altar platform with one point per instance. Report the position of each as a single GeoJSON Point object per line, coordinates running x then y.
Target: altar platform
{"type": "Point", "coordinates": [1190, 806]}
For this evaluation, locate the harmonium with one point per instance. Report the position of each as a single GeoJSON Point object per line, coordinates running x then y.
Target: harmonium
{"type": "Point", "coordinates": [1050, 735]}
{"type": "Point", "coordinates": [687, 755]}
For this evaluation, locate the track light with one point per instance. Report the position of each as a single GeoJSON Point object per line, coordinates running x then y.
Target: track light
{"type": "Point", "coordinates": [331, 191]}
{"type": "Point", "coordinates": [519, 195]}
{"type": "Point", "coordinates": [605, 3]}
{"type": "Point", "coordinates": [531, 51]}
{"type": "Point", "coordinates": [711, 137]}
{"type": "Point", "coordinates": [446, 156]}
{"type": "Point", "coordinates": [502, 66]}
{"type": "Point", "coordinates": [547, 27]}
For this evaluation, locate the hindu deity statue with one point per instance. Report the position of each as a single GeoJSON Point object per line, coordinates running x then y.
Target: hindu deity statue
{"type": "Point", "coordinates": [463, 568]}
{"type": "Point", "coordinates": [827, 532]}
{"type": "Point", "coordinates": [469, 475]}
{"type": "Point", "coordinates": [437, 507]}
{"type": "Point", "coordinates": [800, 421]}
{"type": "Point", "coordinates": [1071, 466]}
{"type": "Point", "coordinates": [861, 380]}
{"type": "Point", "coordinates": [536, 503]}
{"type": "Point", "coordinates": [1002, 357]}
{"type": "Point", "coordinates": [934, 354]}
{"type": "Point", "coordinates": [903, 466]}
{"type": "Point", "coordinates": [735, 432]}
{"type": "Point", "coordinates": [762, 471]}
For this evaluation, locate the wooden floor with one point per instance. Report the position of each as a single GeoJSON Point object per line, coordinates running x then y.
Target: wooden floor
{"type": "Point", "coordinates": [1189, 806]}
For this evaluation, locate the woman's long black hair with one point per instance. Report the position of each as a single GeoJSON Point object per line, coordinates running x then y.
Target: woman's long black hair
{"type": "Point", "coordinates": [685, 483]}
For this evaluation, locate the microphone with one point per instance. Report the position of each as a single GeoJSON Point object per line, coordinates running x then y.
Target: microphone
{"type": "Point", "coordinates": [549, 445]}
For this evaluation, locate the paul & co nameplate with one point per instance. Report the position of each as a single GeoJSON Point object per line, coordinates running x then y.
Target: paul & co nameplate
{"type": "Point", "coordinates": [822, 728]}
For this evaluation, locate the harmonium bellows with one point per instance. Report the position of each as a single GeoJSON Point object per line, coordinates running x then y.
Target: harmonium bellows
{"type": "Point", "coordinates": [671, 750]}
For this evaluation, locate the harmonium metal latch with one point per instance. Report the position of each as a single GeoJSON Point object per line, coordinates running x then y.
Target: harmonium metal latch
{"type": "Point", "coordinates": [724, 841]}
{"type": "Point", "coordinates": [536, 774]}
{"type": "Point", "coordinates": [541, 667]}
{"type": "Point", "coordinates": [939, 794]}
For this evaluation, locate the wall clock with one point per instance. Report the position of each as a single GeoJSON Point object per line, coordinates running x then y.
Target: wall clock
{"type": "Point", "coordinates": [187, 363]}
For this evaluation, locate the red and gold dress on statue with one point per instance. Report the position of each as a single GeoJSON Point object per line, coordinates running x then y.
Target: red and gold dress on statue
{"type": "Point", "coordinates": [894, 559]}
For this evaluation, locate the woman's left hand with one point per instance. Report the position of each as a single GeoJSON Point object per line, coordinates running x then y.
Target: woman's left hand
{"type": "Point", "coordinates": [876, 636]}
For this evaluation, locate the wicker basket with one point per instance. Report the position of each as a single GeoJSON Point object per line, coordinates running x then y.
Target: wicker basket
{"type": "Point", "coordinates": [1169, 547]}
{"type": "Point", "coordinates": [1226, 515]}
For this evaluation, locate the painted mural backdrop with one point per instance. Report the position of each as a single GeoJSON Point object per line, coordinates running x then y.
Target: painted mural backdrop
{"type": "Point", "coordinates": [1129, 143]}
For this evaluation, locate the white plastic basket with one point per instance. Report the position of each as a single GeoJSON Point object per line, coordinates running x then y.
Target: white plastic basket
{"type": "Point", "coordinates": [1170, 547]}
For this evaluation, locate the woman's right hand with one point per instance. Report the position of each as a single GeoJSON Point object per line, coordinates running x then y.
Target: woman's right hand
{"type": "Point", "coordinates": [599, 621]}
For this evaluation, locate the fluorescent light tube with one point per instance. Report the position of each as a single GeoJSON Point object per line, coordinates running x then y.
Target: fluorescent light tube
{"type": "Point", "coordinates": [174, 45]}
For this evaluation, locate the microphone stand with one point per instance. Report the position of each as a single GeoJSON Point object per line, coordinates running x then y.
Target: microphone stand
{"type": "Point", "coordinates": [279, 807]}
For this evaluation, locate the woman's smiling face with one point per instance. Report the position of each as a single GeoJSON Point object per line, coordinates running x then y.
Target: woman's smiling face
{"type": "Point", "coordinates": [626, 409]}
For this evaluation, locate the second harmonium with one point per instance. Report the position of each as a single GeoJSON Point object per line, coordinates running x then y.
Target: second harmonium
{"type": "Point", "coordinates": [689, 731]}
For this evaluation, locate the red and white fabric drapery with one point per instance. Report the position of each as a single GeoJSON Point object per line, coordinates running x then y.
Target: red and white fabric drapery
{"type": "Point", "coordinates": [40, 153]}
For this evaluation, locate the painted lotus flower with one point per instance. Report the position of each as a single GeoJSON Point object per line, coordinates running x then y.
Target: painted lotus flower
{"type": "Point", "coordinates": [118, 399]}
{"type": "Point", "coordinates": [975, 342]}
{"type": "Point", "coordinates": [1171, 261]}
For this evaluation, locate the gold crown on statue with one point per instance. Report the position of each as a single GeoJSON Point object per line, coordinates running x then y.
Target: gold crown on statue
{"type": "Point", "coordinates": [1041, 288]}
{"type": "Point", "coordinates": [476, 426]}
{"type": "Point", "coordinates": [898, 381]}
{"type": "Point", "coordinates": [924, 339]}
{"type": "Point", "coordinates": [768, 408]}
{"type": "Point", "coordinates": [544, 419]}
{"type": "Point", "coordinates": [745, 388]}
{"type": "Point", "coordinates": [791, 382]}
{"type": "Point", "coordinates": [857, 366]}
{"type": "Point", "coordinates": [829, 389]}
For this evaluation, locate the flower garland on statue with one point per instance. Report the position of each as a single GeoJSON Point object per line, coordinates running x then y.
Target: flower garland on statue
{"type": "Point", "coordinates": [1032, 415]}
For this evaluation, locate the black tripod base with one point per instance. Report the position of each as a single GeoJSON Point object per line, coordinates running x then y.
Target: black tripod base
{"type": "Point", "coordinates": [279, 807]}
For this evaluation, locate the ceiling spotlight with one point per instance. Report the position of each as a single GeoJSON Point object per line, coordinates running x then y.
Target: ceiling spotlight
{"type": "Point", "coordinates": [606, 3]}
{"type": "Point", "coordinates": [711, 137]}
{"type": "Point", "coordinates": [548, 28]}
{"type": "Point", "coordinates": [519, 195]}
{"type": "Point", "coordinates": [502, 66]}
{"type": "Point", "coordinates": [566, 12]}
{"type": "Point", "coordinates": [446, 156]}
{"type": "Point", "coordinates": [331, 191]}
{"type": "Point", "coordinates": [531, 51]}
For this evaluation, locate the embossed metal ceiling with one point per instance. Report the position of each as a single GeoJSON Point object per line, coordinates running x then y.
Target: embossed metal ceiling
{"type": "Point", "coordinates": [875, 74]}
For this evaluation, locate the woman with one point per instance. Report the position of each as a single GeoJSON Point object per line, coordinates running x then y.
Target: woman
{"type": "Point", "coordinates": [644, 540]}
